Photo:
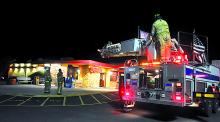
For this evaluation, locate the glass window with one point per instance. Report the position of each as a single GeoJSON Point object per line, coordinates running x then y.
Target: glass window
{"type": "Point", "coordinates": [151, 78]}
{"type": "Point", "coordinates": [200, 87]}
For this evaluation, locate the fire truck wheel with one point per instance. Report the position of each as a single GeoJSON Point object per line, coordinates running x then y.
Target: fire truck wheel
{"type": "Point", "coordinates": [128, 106]}
{"type": "Point", "coordinates": [215, 106]}
{"type": "Point", "coordinates": [207, 108]}
{"type": "Point", "coordinates": [127, 110]}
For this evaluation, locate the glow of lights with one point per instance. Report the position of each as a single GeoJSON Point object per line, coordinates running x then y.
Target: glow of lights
{"type": "Point", "coordinates": [10, 69]}
{"type": "Point", "coordinates": [21, 70]}
{"type": "Point", "coordinates": [40, 68]}
{"type": "Point", "coordinates": [178, 98]}
{"type": "Point", "coordinates": [110, 73]}
{"type": "Point", "coordinates": [78, 70]}
{"type": "Point", "coordinates": [179, 84]}
{"type": "Point", "coordinates": [156, 63]}
{"type": "Point", "coordinates": [16, 65]}
{"type": "Point", "coordinates": [127, 94]}
{"type": "Point", "coordinates": [34, 70]}
{"type": "Point", "coordinates": [28, 70]}
{"type": "Point", "coordinates": [186, 57]}
{"type": "Point", "coordinates": [22, 64]}
{"type": "Point", "coordinates": [201, 76]}
{"type": "Point", "coordinates": [156, 70]}
{"type": "Point", "coordinates": [34, 65]}
{"type": "Point", "coordinates": [177, 61]}
{"type": "Point", "coordinates": [16, 70]}
{"type": "Point", "coordinates": [153, 63]}
{"type": "Point", "coordinates": [28, 65]}
{"type": "Point", "coordinates": [47, 65]}
{"type": "Point", "coordinates": [179, 57]}
{"type": "Point", "coordinates": [11, 65]}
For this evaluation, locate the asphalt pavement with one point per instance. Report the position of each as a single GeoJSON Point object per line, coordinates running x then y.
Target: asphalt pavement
{"type": "Point", "coordinates": [29, 103]}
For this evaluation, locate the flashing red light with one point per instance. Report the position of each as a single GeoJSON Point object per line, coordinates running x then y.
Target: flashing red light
{"type": "Point", "coordinates": [179, 57]}
{"type": "Point", "coordinates": [127, 93]}
{"type": "Point", "coordinates": [178, 98]}
{"type": "Point", "coordinates": [121, 90]}
{"type": "Point", "coordinates": [178, 84]}
{"type": "Point", "coordinates": [186, 58]}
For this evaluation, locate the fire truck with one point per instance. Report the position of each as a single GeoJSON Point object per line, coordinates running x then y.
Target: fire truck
{"type": "Point", "coordinates": [178, 82]}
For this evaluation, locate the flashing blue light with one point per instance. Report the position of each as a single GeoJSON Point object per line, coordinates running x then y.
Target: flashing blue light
{"type": "Point", "coordinates": [168, 84]}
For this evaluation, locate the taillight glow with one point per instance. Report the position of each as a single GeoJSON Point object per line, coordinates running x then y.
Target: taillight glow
{"type": "Point", "coordinates": [179, 57]}
{"type": "Point", "coordinates": [178, 84]}
{"type": "Point", "coordinates": [127, 93]}
{"type": "Point", "coordinates": [178, 98]}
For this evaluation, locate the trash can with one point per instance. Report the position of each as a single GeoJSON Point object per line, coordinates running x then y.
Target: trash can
{"type": "Point", "coordinates": [68, 82]}
{"type": "Point", "coordinates": [37, 80]}
{"type": "Point", "coordinates": [13, 81]}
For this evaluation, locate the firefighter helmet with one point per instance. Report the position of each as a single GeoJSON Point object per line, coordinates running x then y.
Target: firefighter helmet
{"type": "Point", "coordinates": [157, 16]}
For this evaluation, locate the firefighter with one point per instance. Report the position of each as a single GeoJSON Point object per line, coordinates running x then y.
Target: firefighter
{"type": "Point", "coordinates": [161, 34]}
{"type": "Point", "coordinates": [60, 82]}
{"type": "Point", "coordinates": [215, 88]}
{"type": "Point", "coordinates": [48, 80]}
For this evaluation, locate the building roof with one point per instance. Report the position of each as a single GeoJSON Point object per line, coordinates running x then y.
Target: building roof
{"type": "Point", "coordinates": [95, 63]}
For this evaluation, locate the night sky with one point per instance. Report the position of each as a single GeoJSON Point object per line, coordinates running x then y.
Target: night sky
{"type": "Point", "coordinates": [78, 29]}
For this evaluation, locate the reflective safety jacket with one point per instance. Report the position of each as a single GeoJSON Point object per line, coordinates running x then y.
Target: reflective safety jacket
{"type": "Point", "coordinates": [160, 27]}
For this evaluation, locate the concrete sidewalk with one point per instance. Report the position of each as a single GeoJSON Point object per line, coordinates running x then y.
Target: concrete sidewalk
{"type": "Point", "coordinates": [34, 90]}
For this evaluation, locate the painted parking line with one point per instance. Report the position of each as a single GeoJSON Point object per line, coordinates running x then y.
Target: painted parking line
{"type": "Point", "coordinates": [73, 101]}
{"type": "Point", "coordinates": [106, 97]}
{"type": "Point", "coordinates": [64, 101]}
{"type": "Point", "coordinates": [4, 97]}
{"type": "Point", "coordinates": [114, 93]}
{"type": "Point", "coordinates": [88, 100]}
{"type": "Point", "coordinates": [7, 99]}
{"type": "Point", "coordinates": [96, 99]}
{"type": "Point", "coordinates": [24, 101]}
{"type": "Point", "coordinates": [44, 101]}
{"type": "Point", "coordinates": [101, 98]}
{"type": "Point", "coordinates": [91, 99]}
{"type": "Point", "coordinates": [111, 96]}
{"type": "Point", "coordinates": [57, 101]}
{"type": "Point", "coordinates": [15, 101]}
{"type": "Point", "coordinates": [34, 101]}
{"type": "Point", "coordinates": [82, 103]}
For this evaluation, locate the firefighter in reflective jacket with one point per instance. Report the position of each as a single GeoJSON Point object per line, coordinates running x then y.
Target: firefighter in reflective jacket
{"type": "Point", "coordinates": [161, 34]}
{"type": "Point", "coordinates": [213, 88]}
{"type": "Point", "coordinates": [48, 80]}
{"type": "Point", "coordinates": [60, 82]}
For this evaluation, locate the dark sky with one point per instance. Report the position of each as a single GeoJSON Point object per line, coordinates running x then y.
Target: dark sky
{"type": "Point", "coordinates": [78, 29]}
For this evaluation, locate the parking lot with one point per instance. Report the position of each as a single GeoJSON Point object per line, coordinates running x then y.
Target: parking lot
{"type": "Point", "coordinates": [91, 99]}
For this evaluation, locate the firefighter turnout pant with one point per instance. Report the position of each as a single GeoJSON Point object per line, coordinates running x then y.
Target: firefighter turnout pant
{"type": "Point", "coordinates": [47, 87]}
{"type": "Point", "coordinates": [165, 46]}
{"type": "Point", "coordinates": [59, 88]}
